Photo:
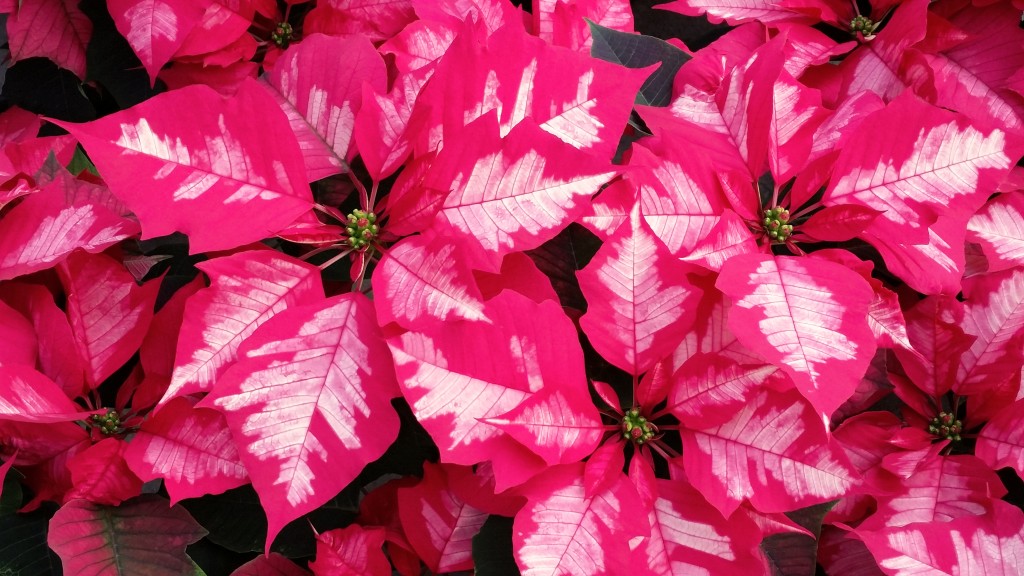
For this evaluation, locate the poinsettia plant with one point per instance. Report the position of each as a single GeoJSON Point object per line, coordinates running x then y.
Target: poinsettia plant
{"type": "Point", "coordinates": [427, 287]}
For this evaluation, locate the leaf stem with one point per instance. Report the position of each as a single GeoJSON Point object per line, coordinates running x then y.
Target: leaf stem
{"type": "Point", "coordinates": [334, 259]}
{"type": "Point", "coordinates": [373, 197]}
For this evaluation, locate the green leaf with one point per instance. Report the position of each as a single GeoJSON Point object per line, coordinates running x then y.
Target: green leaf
{"type": "Point", "coordinates": [23, 549]}
{"type": "Point", "coordinates": [80, 162]}
{"type": "Point", "coordinates": [797, 554]}
{"type": "Point", "coordinates": [639, 51]}
{"type": "Point", "coordinates": [492, 548]}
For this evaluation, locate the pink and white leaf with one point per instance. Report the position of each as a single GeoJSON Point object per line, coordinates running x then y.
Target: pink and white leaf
{"type": "Point", "coordinates": [54, 29]}
{"type": "Point", "coordinates": [155, 29]}
{"type": "Point", "coordinates": [319, 85]}
{"type": "Point", "coordinates": [190, 449]}
{"type": "Point", "coordinates": [561, 530]}
{"type": "Point", "coordinates": [991, 545]}
{"type": "Point", "coordinates": [246, 289]}
{"type": "Point", "coordinates": [929, 163]}
{"type": "Point", "coordinates": [309, 404]}
{"type": "Point", "coordinates": [202, 181]}
{"type": "Point", "coordinates": [425, 279]}
{"type": "Point", "coordinates": [559, 428]}
{"type": "Point", "coordinates": [47, 226]}
{"type": "Point", "coordinates": [382, 123]}
{"type": "Point", "coordinates": [994, 312]}
{"type": "Point", "coordinates": [563, 23]}
{"type": "Point", "coordinates": [109, 314]}
{"type": "Point", "coordinates": [709, 388]}
{"type": "Point", "coordinates": [738, 11]}
{"type": "Point", "coordinates": [351, 551]}
{"type": "Point", "coordinates": [941, 489]}
{"type": "Point", "coordinates": [511, 194]}
{"type": "Point", "coordinates": [459, 373]}
{"type": "Point", "coordinates": [1001, 441]}
{"type": "Point", "coordinates": [795, 116]}
{"type": "Point", "coordinates": [808, 317]}
{"type": "Point", "coordinates": [689, 536]}
{"type": "Point", "coordinates": [773, 453]}
{"type": "Point", "coordinates": [438, 524]}
{"type": "Point", "coordinates": [28, 396]}
{"type": "Point", "coordinates": [730, 237]}
{"type": "Point", "coordinates": [679, 194]}
{"type": "Point", "coordinates": [999, 229]}
{"type": "Point", "coordinates": [580, 100]}
{"type": "Point", "coordinates": [640, 301]}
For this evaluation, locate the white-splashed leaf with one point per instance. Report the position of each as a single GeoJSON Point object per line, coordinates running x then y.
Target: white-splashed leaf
{"type": "Point", "coordinates": [640, 301]}
{"type": "Point", "coordinates": [774, 453]}
{"type": "Point", "coordinates": [423, 279]}
{"type": "Point", "coordinates": [190, 449]}
{"type": "Point", "coordinates": [309, 404]}
{"type": "Point", "coordinates": [319, 85]}
{"type": "Point", "coordinates": [246, 289]}
{"type": "Point", "coordinates": [561, 530]}
{"type": "Point", "coordinates": [806, 316]}
{"type": "Point", "coordinates": [213, 173]}
{"type": "Point", "coordinates": [999, 229]}
{"type": "Point", "coordinates": [512, 194]}
{"type": "Point", "coordinates": [915, 163]}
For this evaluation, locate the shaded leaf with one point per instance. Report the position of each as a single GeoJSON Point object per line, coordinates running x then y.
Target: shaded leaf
{"type": "Point", "coordinates": [272, 565]}
{"type": "Point", "coordinates": [492, 552]}
{"type": "Point", "coordinates": [155, 29]}
{"type": "Point", "coordinates": [142, 536]}
{"type": "Point", "coordinates": [438, 524]}
{"type": "Point", "coordinates": [639, 51]}
{"type": "Point", "coordinates": [54, 29]}
{"type": "Point", "coordinates": [793, 554]}
{"type": "Point", "coordinates": [23, 547]}
{"type": "Point", "coordinates": [352, 551]}
{"type": "Point", "coordinates": [109, 314]}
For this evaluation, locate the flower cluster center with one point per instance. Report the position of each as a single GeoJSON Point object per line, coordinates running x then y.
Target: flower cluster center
{"type": "Point", "coordinates": [282, 34]}
{"type": "Point", "coordinates": [862, 24]}
{"type": "Point", "coordinates": [109, 423]}
{"type": "Point", "coordinates": [946, 426]}
{"type": "Point", "coordinates": [776, 224]}
{"type": "Point", "coordinates": [361, 228]}
{"type": "Point", "coordinates": [636, 428]}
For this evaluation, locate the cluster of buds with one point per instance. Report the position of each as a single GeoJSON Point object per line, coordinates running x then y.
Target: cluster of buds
{"type": "Point", "coordinates": [946, 426]}
{"type": "Point", "coordinates": [863, 25]}
{"type": "Point", "coordinates": [362, 229]}
{"type": "Point", "coordinates": [636, 428]}
{"type": "Point", "coordinates": [776, 224]}
{"type": "Point", "coordinates": [282, 34]}
{"type": "Point", "coordinates": [109, 423]}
